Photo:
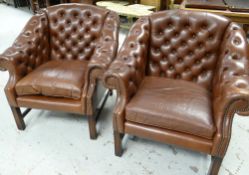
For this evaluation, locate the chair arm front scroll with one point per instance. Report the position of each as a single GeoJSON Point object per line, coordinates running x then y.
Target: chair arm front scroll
{"type": "Point", "coordinates": [231, 86]}
{"type": "Point", "coordinates": [29, 50]}
{"type": "Point", "coordinates": [127, 71]}
{"type": "Point", "coordinates": [104, 53]}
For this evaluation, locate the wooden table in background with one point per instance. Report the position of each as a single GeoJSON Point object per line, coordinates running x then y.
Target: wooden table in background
{"type": "Point", "coordinates": [238, 17]}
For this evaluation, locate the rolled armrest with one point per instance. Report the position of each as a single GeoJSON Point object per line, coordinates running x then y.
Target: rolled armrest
{"type": "Point", "coordinates": [104, 53]}
{"type": "Point", "coordinates": [126, 72]}
{"type": "Point", "coordinates": [107, 45]}
{"type": "Point", "coordinates": [231, 85]}
{"type": "Point", "coordinates": [30, 49]}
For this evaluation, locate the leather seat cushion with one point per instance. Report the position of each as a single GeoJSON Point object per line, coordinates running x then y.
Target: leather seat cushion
{"type": "Point", "coordinates": [174, 105]}
{"type": "Point", "coordinates": [57, 78]}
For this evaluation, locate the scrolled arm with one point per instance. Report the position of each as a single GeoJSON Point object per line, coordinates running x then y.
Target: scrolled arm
{"type": "Point", "coordinates": [231, 85]}
{"type": "Point", "coordinates": [104, 53]}
{"type": "Point", "coordinates": [127, 71]}
{"type": "Point", "coordinates": [29, 50]}
{"type": "Point", "coordinates": [107, 45]}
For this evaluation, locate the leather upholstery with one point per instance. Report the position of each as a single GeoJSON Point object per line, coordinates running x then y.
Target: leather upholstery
{"type": "Point", "coordinates": [204, 54]}
{"type": "Point", "coordinates": [231, 84]}
{"type": "Point", "coordinates": [185, 46]}
{"type": "Point", "coordinates": [30, 50]}
{"type": "Point", "coordinates": [175, 105]}
{"type": "Point", "coordinates": [74, 33]}
{"type": "Point", "coordinates": [57, 78]}
{"type": "Point", "coordinates": [170, 136]}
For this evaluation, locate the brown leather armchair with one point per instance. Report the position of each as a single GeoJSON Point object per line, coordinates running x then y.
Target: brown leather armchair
{"type": "Point", "coordinates": [180, 77]}
{"type": "Point", "coordinates": [58, 59]}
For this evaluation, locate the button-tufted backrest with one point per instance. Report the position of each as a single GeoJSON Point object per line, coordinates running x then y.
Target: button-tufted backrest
{"type": "Point", "coordinates": [185, 45]}
{"type": "Point", "coordinates": [74, 29]}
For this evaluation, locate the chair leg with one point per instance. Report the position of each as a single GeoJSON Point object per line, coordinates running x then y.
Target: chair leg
{"type": "Point", "coordinates": [118, 143]}
{"type": "Point", "coordinates": [92, 127]}
{"type": "Point", "coordinates": [215, 165]}
{"type": "Point", "coordinates": [18, 118]}
{"type": "Point", "coordinates": [111, 92]}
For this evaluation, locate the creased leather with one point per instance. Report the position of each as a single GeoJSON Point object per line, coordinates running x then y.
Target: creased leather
{"type": "Point", "coordinates": [104, 54]}
{"type": "Point", "coordinates": [30, 49]}
{"type": "Point", "coordinates": [73, 32]}
{"type": "Point", "coordinates": [198, 47]}
{"type": "Point", "coordinates": [128, 69]}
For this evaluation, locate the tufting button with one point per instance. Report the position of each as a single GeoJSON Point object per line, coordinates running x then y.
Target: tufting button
{"type": "Point", "coordinates": [131, 45]}
{"type": "Point", "coordinates": [62, 29]}
{"type": "Point", "coordinates": [68, 22]}
{"type": "Point", "coordinates": [178, 76]}
{"type": "Point", "coordinates": [162, 74]}
{"type": "Point", "coordinates": [67, 36]}
{"type": "Point", "coordinates": [194, 79]}
{"type": "Point", "coordinates": [75, 14]}
{"type": "Point", "coordinates": [200, 45]}
{"type": "Point", "coordinates": [176, 34]}
{"type": "Point", "coordinates": [193, 36]}
{"type": "Point", "coordinates": [183, 43]}
{"type": "Point", "coordinates": [27, 33]}
{"type": "Point", "coordinates": [167, 42]}
{"type": "Point", "coordinates": [237, 41]}
{"type": "Point", "coordinates": [235, 28]}
{"type": "Point", "coordinates": [88, 14]}
{"type": "Point", "coordinates": [135, 55]}
{"type": "Point", "coordinates": [74, 43]}
{"type": "Point", "coordinates": [170, 25]}
{"type": "Point", "coordinates": [180, 60]}
{"type": "Point", "coordinates": [94, 22]}
{"type": "Point", "coordinates": [87, 29]}
{"type": "Point", "coordinates": [197, 62]}
{"type": "Point", "coordinates": [204, 72]}
{"type": "Point", "coordinates": [173, 51]}
{"type": "Point", "coordinates": [186, 25]}
{"type": "Point", "coordinates": [165, 58]}
{"type": "Point", "coordinates": [81, 22]}
{"type": "Point", "coordinates": [171, 67]}
{"type": "Point", "coordinates": [74, 29]}
{"type": "Point", "coordinates": [204, 26]}
{"type": "Point", "coordinates": [225, 69]}
{"type": "Point", "coordinates": [190, 53]}
{"type": "Point", "coordinates": [61, 13]}
{"type": "Point", "coordinates": [210, 37]}
{"type": "Point", "coordinates": [235, 74]}
{"type": "Point", "coordinates": [235, 57]}
{"type": "Point", "coordinates": [43, 19]}
{"type": "Point", "coordinates": [207, 55]}
{"type": "Point", "coordinates": [187, 69]}
{"type": "Point", "coordinates": [55, 20]}
{"type": "Point", "coordinates": [226, 52]}
{"type": "Point", "coordinates": [80, 37]}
